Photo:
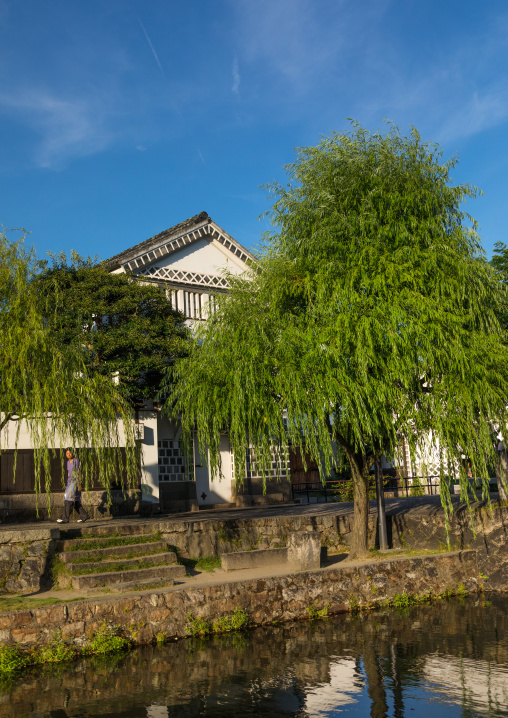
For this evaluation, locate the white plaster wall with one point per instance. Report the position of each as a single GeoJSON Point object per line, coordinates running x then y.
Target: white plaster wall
{"type": "Point", "coordinates": [24, 441]}
{"type": "Point", "coordinates": [215, 490]}
{"type": "Point", "coordinates": [202, 256]}
{"type": "Point", "coordinates": [150, 458]}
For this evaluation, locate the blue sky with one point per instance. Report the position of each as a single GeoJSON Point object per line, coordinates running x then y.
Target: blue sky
{"type": "Point", "coordinates": [120, 118]}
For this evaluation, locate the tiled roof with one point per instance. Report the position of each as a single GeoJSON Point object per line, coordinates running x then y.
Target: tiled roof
{"type": "Point", "coordinates": [118, 259]}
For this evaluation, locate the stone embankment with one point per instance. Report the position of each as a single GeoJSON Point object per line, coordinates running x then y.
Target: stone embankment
{"type": "Point", "coordinates": [418, 523]}
{"type": "Point", "coordinates": [412, 524]}
{"type": "Point", "coordinates": [176, 676]}
{"type": "Point", "coordinates": [341, 587]}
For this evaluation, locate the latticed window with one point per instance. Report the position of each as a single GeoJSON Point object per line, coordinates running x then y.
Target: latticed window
{"type": "Point", "coordinates": [278, 466]}
{"type": "Point", "coordinates": [173, 464]}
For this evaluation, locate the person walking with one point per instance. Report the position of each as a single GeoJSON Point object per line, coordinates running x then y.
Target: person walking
{"type": "Point", "coordinates": [73, 491]}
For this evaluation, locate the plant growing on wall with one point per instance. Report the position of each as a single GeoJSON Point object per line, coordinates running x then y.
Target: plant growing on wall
{"type": "Point", "coordinates": [371, 314]}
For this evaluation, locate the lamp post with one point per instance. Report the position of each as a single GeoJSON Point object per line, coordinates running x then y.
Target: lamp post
{"type": "Point", "coordinates": [381, 513]}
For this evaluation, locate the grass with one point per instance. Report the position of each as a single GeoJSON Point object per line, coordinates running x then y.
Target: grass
{"type": "Point", "coordinates": [206, 563]}
{"type": "Point", "coordinates": [375, 553]}
{"type": "Point", "coordinates": [112, 557]}
{"type": "Point", "coordinates": [117, 567]}
{"type": "Point", "coordinates": [24, 603]}
{"type": "Point", "coordinates": [109, 541]}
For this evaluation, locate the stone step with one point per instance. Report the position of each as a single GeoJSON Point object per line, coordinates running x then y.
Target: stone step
{"type": "Point", "coordinates": [132, 528]}
{"type": "Point", "coordinates": [68, 544]}
{"type": "Point", "coordinates": [126, 564]}
{"type": "Point", "coordinates": [98, 580]}
{"type": "Point", "coordinates": [120, 551]}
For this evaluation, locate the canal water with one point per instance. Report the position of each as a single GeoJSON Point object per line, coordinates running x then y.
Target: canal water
{"type": "Point", "coordinates": [446, 659]}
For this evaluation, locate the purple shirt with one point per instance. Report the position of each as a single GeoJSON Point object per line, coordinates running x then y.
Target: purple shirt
{"type": "Point", "coordinates": [72, 492]}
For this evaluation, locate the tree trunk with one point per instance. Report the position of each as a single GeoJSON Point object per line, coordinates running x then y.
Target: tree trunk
{"type": "Point", "coordinates": [359, 536]}
{"type": "Point", "coordinates": [375, 682]}
{"type": "Point", "coordinates": [502, 475]}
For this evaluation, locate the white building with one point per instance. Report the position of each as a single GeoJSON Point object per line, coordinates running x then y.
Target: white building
{"type": "Point", "coordinates": [188, 260]}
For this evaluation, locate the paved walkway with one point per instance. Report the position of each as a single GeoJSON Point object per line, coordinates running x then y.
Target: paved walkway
{"type": "Point", "coordinates": [393, 506]}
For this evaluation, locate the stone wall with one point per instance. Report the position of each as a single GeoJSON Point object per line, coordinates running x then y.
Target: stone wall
{"type": "Point", "coordinates": [25, 559]}
{"type": "Point", "coordinates": [252, 492]}
{"type": "Point", "coordinates": [417, 527]}
{"type": "Point", "coordinates": [280, 598]}
{"type": "Point", "coordinates": [178, 676]}
{"type": "Point", "coordinates": [16, 508]}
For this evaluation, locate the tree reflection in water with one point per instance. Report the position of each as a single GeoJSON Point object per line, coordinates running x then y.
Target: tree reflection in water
{"type": "Point", "coordinates": [450, 659]}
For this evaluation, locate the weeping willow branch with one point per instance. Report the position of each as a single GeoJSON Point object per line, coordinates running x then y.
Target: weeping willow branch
{"type": "Point", "coordinates": [48, 387]}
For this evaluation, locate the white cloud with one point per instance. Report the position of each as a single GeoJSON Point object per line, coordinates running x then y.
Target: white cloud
{"type": "Point", "coordinates": [68, 127]}
{"type": "Point", "coordinates": [477, 113]}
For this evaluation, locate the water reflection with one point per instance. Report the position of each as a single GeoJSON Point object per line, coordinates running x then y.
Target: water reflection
{"type": "Point", "coordinates": [450, 659]}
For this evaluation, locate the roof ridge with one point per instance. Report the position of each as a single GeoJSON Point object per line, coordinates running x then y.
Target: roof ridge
{"type": "Point", "coordinates": [196, 219]}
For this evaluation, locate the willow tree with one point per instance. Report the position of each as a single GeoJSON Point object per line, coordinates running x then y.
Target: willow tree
{"type": "Point", "coordinates": [47, 390]}
{"type": "Point", "coordinates": [500, 263]}
{"type": "Point", "coordinates": [371, 314]}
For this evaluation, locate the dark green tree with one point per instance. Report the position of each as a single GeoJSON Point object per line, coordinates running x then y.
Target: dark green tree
{"type": "Point", "coordinates": [371, 313]}
{"type": "Point", "coordinates": [128, 330]}
{"type": "Point", "coordinates": [46, 387]}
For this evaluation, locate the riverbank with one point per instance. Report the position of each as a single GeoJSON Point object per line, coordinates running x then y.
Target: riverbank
{"type": "Point", "coordinates": [367, 660]}
{"type": "Point", "coordinates": [143, 617]}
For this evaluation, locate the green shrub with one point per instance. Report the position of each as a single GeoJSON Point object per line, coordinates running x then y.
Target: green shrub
{"type": "Point", "coordinates": [239, 620]}
{"type": "Point", "coordinates": [316, 613]}
{"type": "Point", "coordinates": [197, 626]}
{"type": "Point", "coordinates": [12, 660]}
{"type": "Point", "coordinates": [55, 652]}
{"type": "Point", "coordinates": [106, 640]}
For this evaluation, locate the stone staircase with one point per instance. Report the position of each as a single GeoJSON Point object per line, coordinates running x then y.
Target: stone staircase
{"type": "Point", "coordinates": [117, 559]}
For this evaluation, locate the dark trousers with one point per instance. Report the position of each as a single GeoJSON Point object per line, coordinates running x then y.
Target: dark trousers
{"type": "Point", "coordinates": [78, 506]}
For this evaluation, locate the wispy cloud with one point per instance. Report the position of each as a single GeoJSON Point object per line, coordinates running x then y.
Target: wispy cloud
{"type": "Point", "coordinates": [150, 43]}
{"type": "Point", "coordinates": [236, 77]}
{"type": "Point", "coordinates": [479, 112]}
{"type": "Point", "coordinates": [67, 126]}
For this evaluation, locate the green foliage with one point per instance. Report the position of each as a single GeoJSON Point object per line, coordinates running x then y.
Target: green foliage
{"type": "Point", "coordinates": [48, 384]}
{"type": "Point", "coordinates": [106, 640]}
{"type": "Point", "coordinates": [126, 328]}
{"type": "Point", "coordinates": [316, 613]}
{"type": "Point", "coordinates": [208, 563]}
{"type": "Point", "coordinates": [197, 626]}
{"type": "Point", "coordinates": [239, 620]}
{"type": "Point", "coordinates": [56, 651]}
{"type": "Point", "coordinates": [12, 660]}
{"type": "Point", "coordinates": [500, 263]}
{"type": "Point", "coordinates": [371, 315]}
{"type": "Point", "coordinates": [205, 563]}
{"type": "Point", "coordinates": [161, 638]}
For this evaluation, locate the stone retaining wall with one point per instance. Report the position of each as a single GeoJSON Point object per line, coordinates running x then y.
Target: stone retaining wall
{"type": "Point", "coordinates": [25, 558]}
{"type": "Point", "coordinates": [417, 528]}
{"type": "Point", "coordinates": [178, 677]}
{"type": "Point", "coordinates": [279, 598]}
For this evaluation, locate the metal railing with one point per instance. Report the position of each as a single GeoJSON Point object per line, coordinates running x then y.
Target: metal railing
{"type": "Point", "coordinates": [342, 489]}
